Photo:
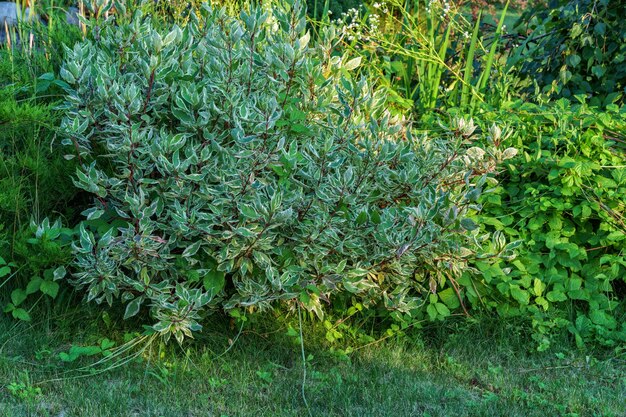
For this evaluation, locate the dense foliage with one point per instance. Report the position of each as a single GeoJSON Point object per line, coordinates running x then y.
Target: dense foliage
{"type": "Point", "coordinates": [35, 179]}
{"type": "Point", "coordinates": [427, 55]}
{"type": "Point", "coordinates": [253, 155]}
{"type": "Point", "coordinates": [576, 47]}
{"type": "Point", "coordinates": [237, 165]}
{"type": "Point", "coordinates": [564, 197]}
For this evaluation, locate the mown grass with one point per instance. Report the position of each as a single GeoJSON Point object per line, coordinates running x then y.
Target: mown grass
{"type": "Point", "coordinates": [483, 368]}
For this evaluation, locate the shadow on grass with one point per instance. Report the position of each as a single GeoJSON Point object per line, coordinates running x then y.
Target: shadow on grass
{"type": "Point", "coordinates": [461, 369]}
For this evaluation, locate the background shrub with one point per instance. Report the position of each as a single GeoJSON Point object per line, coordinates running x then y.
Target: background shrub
{"type": "Point", "coordinates": [563, 196]}
{"type": "Point", "coordinates": [575, 47]}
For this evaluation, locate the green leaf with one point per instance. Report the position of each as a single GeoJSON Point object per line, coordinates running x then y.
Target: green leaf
{"type": "Point", "coordinates": [4, 271]}
{"type": "Point", "coordinates": [192, 249]}
{"type": "Point", "coordinates": [573, 60]}
{"type": "Point", "coordinates": [18, 296]}
{"type": "Point", "coordinates": [555, 295]}
{"type": "Point", "coordinates": [449, 297]}
{"type": "Point", "coordinates": [468, 224]}
{"type": "Point", "coordinates": [214, 281]}
{"type": "Point", "coordinates": [59, 273]}
{"type": "Point", "coordinates": [542, 302]}
{"type": "Point", "coordinates": [602, 318]}
{"type": "Point", "coordinates": [249, 211]}
{"type": "Point", "coordinates": [576, 30]}
{"type": "Point", "coordinates": [33, 285]}
{"type": "Point", "coordinates": [50, 288]}
{"type": "Point", "coordinates": [133, 308]}
{"type": "Point", "coordinates": [575, 284]}
{"type": "Point", "coordinates": [598, 70]}
{"type": "Point", "coordinates": [21, 314]}
{"type": "Point", "coordinates": [106, 344]}
{"type": "Point", "coordinates": [162, 326]}
{"type": "Point", "coordinates": [538, 287]}
{"type": "Point", "coordinates": [520, 295]}
{"type": "Point", "coordinates": [442, 309]}
{"type": "Point", "coordinates": [432, 311]}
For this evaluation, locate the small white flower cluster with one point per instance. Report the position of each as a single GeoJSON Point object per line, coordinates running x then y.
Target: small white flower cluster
{"type": "Point", "coordinates": [350, 24]}
{"type": "Point", "coordinates": [353, 28]}
{"type": "Point", "coordinates": [381, 6]}
{"type": "Point", "coordinates": [374, 23]}
{"type": "Point", "coordinates": [442, 6]}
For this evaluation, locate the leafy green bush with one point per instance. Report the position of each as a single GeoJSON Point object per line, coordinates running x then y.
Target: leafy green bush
{"type": "Point", "coordinates": [235, 166]}
{"type": "Point", "coordinates": [575, 47]}
{"type": "Point", "coordinates": [564, 197]}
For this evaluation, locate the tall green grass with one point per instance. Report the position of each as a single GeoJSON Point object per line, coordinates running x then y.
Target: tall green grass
{"type": "Point", "coordinates": [35, 179]}
{"type": "Point", "coordinates": [432, 58]}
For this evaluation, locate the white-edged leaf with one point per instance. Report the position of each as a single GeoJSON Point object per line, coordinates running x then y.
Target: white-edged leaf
{"type": "Point", "coordinates": [192, 249]}
{"type": "Point", "coordinates": [352, 64]}
{"type": "Point", "coordinates": [133, 308]}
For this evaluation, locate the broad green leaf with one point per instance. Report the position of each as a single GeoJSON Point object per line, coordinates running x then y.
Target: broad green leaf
{"type": "Point", "coordinates": [21, 314]}
{"type": "Point", "coordinates": [33, 285]}
{"type": "Point", "coordinates": [18, 296]}
{"type": "Point", "coordinates": [4, 271]}
{"type": "Point", "coordinates": [214, 281]}
{"type": "Point", "coordinates": [50, 288]}
{"type": "Point", "coordinates": [442, 309]}
{"type": "Point", "coordinates": [520, 295]}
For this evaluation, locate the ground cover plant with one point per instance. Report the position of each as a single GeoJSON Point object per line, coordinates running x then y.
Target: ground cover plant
{"type": "Point", "coordinates": [562, 196]}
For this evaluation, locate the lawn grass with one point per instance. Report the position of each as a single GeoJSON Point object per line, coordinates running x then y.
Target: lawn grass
{"type": "Point", "coordinates": [483, 368]}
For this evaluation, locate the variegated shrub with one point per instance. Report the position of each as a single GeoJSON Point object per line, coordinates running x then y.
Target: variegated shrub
{"type": "Point", "coordinates": [235, 164]}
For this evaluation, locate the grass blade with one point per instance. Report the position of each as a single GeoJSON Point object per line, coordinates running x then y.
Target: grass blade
{"type": "Point", "coordinates": [469, 64]}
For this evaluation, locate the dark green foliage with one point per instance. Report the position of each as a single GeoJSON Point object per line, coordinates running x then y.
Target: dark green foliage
{"type": "Point", "coordinates": [35, 179]}
{"type": "Point", "coordinates": [33, 174]}
{"type": "Point", "coordinates": [575, 47]}
{"type": "Point", "coordinates": [316, 8]}
{"type": "Point", "coordinates": [236, 166]}
{"type": "Point", "coordinates": [564, 196]}
{"type": "Point", "coordinates": [34, 182]}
